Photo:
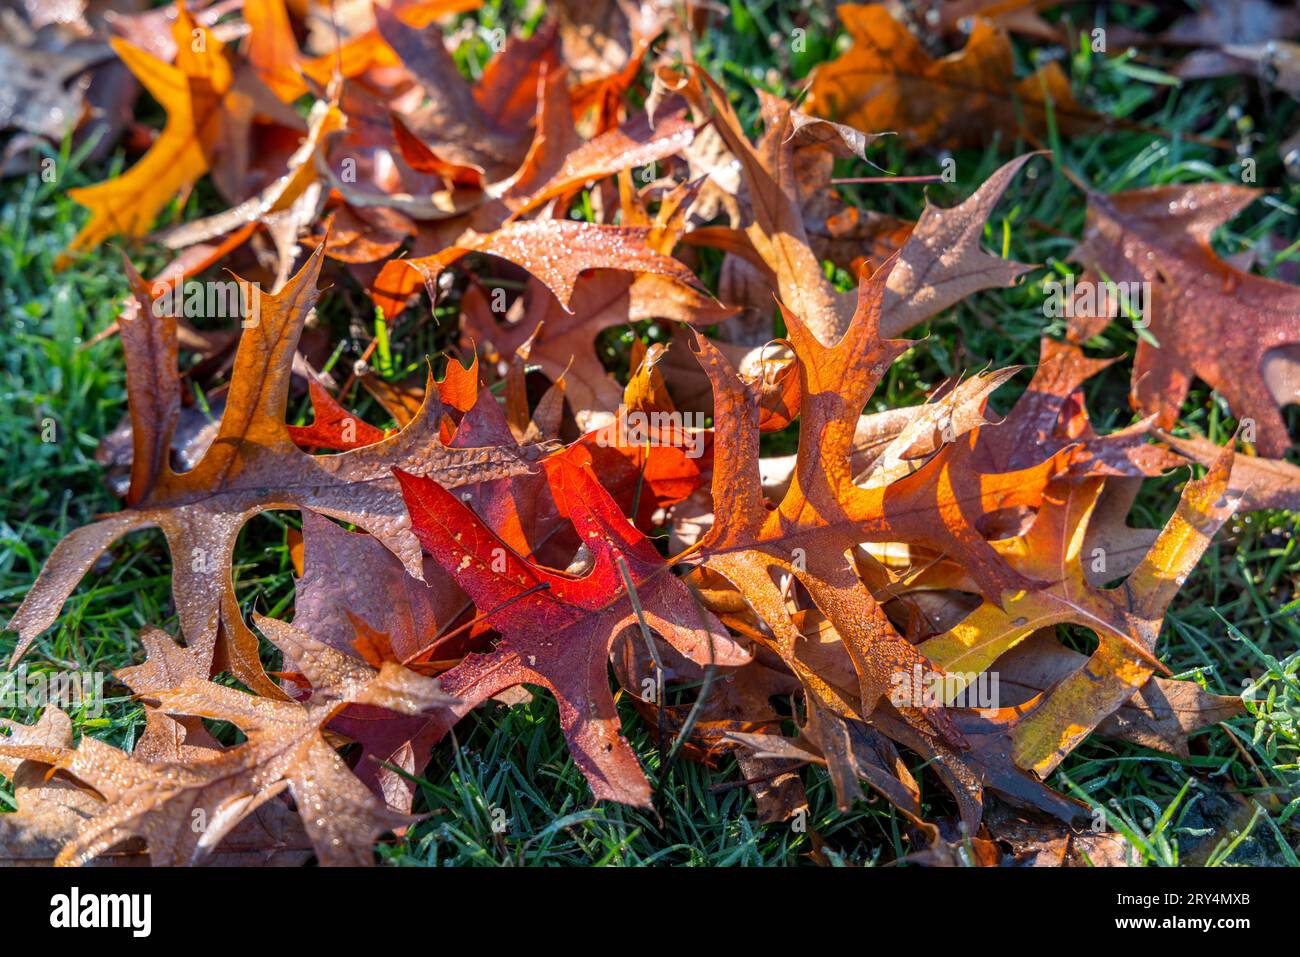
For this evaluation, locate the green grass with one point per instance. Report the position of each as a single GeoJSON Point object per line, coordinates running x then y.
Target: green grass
{"type": "Point", "coordinates": [1234, 625]}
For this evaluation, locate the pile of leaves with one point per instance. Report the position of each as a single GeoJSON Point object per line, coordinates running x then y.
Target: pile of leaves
{"type": "Point", "coordinates": [532, 519]}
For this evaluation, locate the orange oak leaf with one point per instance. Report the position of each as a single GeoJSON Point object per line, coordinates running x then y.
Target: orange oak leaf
{"type": "Point", "coordinates": [823, 514]}
{"type": "Point", "coordinates": [886, 81]}
{"type": "Point", "coordinates": [777, 231]}
{"type": "Point", "coordinates": [1052, 551]}
{"type": "Point", "coordinates": [208, 109]}
{"type": "Point", "coordinates": [645, 476]}
{"type": "Point", "coordinates": [274, 54]}
{"type": "Point", "coordinates": [333, 427]}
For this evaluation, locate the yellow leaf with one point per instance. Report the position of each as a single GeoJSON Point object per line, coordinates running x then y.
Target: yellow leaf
{"type": "Point", "coordinates": [193, 94]}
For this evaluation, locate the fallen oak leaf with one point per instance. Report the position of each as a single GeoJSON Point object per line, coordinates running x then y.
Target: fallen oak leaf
{"type": "Point", "coordinates": [839, 376]}
{"type": "Point", "coordinates": [557, 629]}
{"type": "Point", "coordinates": [366, 163]}
{"type": "Point", "coordinates": [547, 171]}
{"type": "Point", "coordinates": [556, 251]}
{"type": "Point", "coordinates": [447, 164]}
{"type": "Point", "coordinates": [458, 390]}
{"type": "Point", "coordinates": [632, 145]}
{"type": "Point", "coordinates": [1161, 237]}
{"type": "Point", "coordinates": [645, 476]}
{"type": "Point", "coordinates": [422, 159]}
{"type": "Point", "coordinates": [1115, 671]}
{"type": "Point", "coordinates": [1161, 716]}
{"type": "Point", "coordinates": [563, 341]}
{"type": "Point", "coordinates": [388, 615]}
{"type": "Point", "coordinates": [1261, 483]}
{"type": "Point", "coordinates": [602, 38]}
{"type": "Point", "coordinates": [1051, 415]}
{"type": "Point", "coordinates": [284, 750]}
{"type": "Point", "coordinates": [1052, 551]}
{"type": "Point", "coordinates": [63, 79]}
{"type": "Point", "coordinates": [1014, 16]}
{"type": "Point", "coordinates": [984, 762]}
{"type": "Point", "coordinates": [130, 203]}
{"type": "Point", "coordinates": [272, 835]}
{"type": "Point", "coordinates": [462, 120]}
{"type": "Point", "coordinates": [274, 54]}
{"type": "Point", "coordinates": [1035, 844]}
{"type": "Point", "coordinates": [277, 197]}
{"type": "Point", "coordinates": [49, 808]}
{"type": "Point", "coordinates": [886, 81]}
{"type": "Point", "coordinates": [777, 232]}
{"type": "Point", "coordinates": [1275, 62]}
{"type": "Point", "coordinates": [329, 592]}
{"type": "Point", "coordinates": [166, 665]}
{"type": "Point", "coordinates": [203, 98]}
{"type": "Point", "coordinates": [485, 191]}
{"type": "Point", "coordinates": [823, 515]}
{"type": "Point", "coordinates": [1237, 21]}
{"type": "Point", "coordinates": [251, 466]}
{"type": "Point", "coordinates": [561, 344]}
{"type": "Point", "coordinates": [941, 262]}
{"type": "Point", "coordinates": [333, 427]}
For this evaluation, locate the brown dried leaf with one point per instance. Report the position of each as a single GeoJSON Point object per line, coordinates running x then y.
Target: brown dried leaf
{"type": "Point", "coordinates": [253, 465]}
{"type": "Point", "coordinates": [1161, 236]}
{"type": "Point", "coordinates": [159, 801]}
{"type": "Point", "coordinates": [887, 82]}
